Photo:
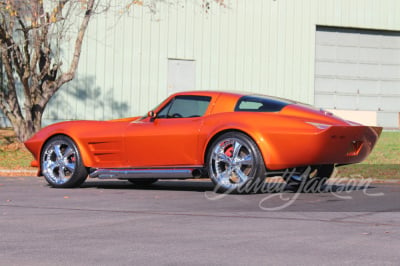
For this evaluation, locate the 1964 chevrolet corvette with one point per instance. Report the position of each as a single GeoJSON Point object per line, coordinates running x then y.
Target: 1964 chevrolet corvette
{"type": "Point", "coordinates": [236, 139]}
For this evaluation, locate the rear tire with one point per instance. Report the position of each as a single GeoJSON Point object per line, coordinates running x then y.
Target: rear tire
{"type": "Point", "coordinates": [235, 164]}
{"type": "Point", "coordinates": [310, 179]}
{"type": "Point", "coordinates": [61, 163]}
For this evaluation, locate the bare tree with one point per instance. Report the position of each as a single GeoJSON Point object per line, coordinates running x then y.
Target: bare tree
{"type": "Point", "coordinates": [31, 70]}
{"type": "Point", "coordinates": [27, 51]}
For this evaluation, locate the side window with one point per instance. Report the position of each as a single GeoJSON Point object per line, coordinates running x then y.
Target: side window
{"type": "Point", "coordinates": [249, 105]}
{"type": "Point", "coordinates": [261, 104]}
{"type": "Point", "coordinates": [163, 113]}
{"type": "Point", "coordinates": [185, 106]}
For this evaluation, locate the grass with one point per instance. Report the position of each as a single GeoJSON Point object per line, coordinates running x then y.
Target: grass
{"type": "Point", "coordinates": [13, 154]}
{"type": "Point", "coordinates": [383, 162]}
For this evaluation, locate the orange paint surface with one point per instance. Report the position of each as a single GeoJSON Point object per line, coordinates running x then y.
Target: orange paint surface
{"type": "Point", "coordinates": [296, 135]}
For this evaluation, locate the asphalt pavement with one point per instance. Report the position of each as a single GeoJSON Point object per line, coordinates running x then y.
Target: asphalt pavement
{"type": "Point", "coordinates": [186, 223]}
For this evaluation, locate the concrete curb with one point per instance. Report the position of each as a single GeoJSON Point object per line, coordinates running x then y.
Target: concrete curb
{"type": "Point", "coordinates": [17, 172]}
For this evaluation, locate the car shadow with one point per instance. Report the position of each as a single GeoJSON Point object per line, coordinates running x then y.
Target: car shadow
{"type": "Point", "coordinates": [207, 185]}
{"type": "Point", "coordinates": [168, 185]}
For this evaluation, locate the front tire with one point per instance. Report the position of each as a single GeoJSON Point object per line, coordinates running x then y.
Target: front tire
{"type": "Point", "coordinates": [61, 163]}
{"type": "Point", "coordinates": [235, 164]}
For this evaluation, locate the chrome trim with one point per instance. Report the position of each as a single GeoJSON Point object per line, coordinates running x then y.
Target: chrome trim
{"type": "Point", "coordinates": [127, 173]}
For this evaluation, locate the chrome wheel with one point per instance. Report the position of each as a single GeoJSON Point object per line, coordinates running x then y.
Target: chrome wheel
{"type": "Point", "coordinates": [234, 162]}
{"type": "Point", "coordinates": [61, 164]}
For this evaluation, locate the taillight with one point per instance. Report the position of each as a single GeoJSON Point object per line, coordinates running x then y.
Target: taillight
{"type": "Point", "coordinates": [354, 148]}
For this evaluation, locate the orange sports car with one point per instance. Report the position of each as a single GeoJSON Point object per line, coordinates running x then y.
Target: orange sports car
{"type": "Point", "coordinates": [236, 139]}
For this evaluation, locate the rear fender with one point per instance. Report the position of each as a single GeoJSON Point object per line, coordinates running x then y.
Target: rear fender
{"type": "Point", "coordinates": [256, 136]}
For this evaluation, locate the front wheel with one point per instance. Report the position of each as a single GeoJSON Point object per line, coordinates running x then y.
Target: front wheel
{"type": "Point", "coordinates": [61, 163]}
{"type": "Point", "coordinates": [235, 164]}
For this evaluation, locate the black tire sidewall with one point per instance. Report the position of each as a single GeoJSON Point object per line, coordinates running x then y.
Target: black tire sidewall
{"type": "Point", "coordinates": [315, 184]}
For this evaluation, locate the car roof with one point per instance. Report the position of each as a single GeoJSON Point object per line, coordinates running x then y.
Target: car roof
{"type": "Point", "coordinates": [232, 94]}
{"type": "Point", "coordinates": [213, 93]}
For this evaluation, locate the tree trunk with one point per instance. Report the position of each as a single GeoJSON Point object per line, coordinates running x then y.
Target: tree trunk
{"type": "Point", "coordinates": [27, 63]}
{"type": "Point", "coordinates": [25, 128]}
{"type": "Point", "coordinates": [21, 130]}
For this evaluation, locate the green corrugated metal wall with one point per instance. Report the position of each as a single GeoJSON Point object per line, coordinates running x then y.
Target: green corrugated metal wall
{"type": "Point", "coordinates": [265, 46]}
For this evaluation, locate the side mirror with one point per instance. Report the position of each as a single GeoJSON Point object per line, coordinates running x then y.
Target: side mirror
{"type": "Point", "coordinates": [152, 115]}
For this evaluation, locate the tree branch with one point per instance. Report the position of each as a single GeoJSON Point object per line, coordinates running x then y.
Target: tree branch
{"type": "Point", "coordinates": [78, 46]}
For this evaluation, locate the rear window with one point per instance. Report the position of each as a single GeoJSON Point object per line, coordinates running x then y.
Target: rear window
{"type": "Point", "coordinates": [261, 104]}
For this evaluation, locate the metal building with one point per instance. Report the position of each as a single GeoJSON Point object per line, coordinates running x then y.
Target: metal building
{"type": "Point", "coordinates": [342, 55]}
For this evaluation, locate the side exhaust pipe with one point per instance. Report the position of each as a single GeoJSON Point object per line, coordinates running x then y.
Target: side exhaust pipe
{"type": "Point", "coordinates": [162, 173]}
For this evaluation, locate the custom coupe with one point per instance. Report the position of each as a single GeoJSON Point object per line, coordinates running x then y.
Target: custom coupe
{"type": "Point", "coordinates": [235, 139]}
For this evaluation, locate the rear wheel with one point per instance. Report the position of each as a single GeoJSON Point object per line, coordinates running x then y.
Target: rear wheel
{"type": "Point", "coordinates": [310, 178]}
{"type": "Point", "coordinates": [235, 164]}
{"type": "Point", "coordinates": [61, 163]}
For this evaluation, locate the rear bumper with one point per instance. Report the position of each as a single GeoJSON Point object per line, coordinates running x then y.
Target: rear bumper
{"type": "Point", "coordinates": [335, 145]}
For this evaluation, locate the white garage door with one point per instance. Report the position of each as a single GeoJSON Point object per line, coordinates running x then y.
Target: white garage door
{"type": "Point", "coordinates": [359, 70]}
